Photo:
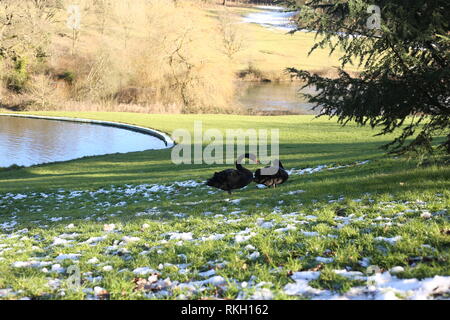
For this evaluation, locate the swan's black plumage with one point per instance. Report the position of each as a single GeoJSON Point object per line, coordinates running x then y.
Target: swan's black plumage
{"type": "Point", "coordinates": [272, 180]}
{"type": "Point", "coordinates": [231, 179]}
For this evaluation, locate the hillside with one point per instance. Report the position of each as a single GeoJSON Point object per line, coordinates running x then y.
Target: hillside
{"type": "Point", "coordinates": [139, 227]}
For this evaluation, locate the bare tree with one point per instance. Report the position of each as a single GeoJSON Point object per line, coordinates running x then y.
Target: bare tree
{"type": "Point", "coordinates": [42, 90]}
{"type": "Point", "coordinates": [232, 39]}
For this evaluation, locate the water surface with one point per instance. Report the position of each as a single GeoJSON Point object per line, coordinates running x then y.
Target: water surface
{"type": "Point", "coordinates": [27, 142]}
{"type": "Point", "coordinates": [275, 97]}
{"type": "Point", "coordinates": [272, 17]}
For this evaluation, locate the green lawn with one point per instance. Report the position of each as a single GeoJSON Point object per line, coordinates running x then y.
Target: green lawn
{"type": "Point", "coordinates": [312, 237]}
{"type": "Point", "coordinates": [271, 51]}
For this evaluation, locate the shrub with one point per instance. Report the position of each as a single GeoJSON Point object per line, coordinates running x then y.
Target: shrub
{"type": "Point", "coordinates": [18, 76]}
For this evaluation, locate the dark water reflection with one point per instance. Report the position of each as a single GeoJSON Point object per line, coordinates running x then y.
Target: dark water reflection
{"type": "Point", "coordinates": [32, 141]}
{"type": "Point", "coordinates": [273, 97]}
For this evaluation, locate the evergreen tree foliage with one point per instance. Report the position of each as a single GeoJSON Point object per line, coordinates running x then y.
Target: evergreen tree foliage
{"type": "Point", "coordinates": [403, 50]}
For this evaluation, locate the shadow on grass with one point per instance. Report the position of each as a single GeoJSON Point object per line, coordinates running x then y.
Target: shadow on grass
{"type": "Point", "coordinates": [156, 167]}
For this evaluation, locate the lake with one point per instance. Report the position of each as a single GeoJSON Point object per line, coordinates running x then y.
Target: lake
{"type": "Point", "coordinates": [26, 142]}
{"type": "Point", "coordinates": [271, 17]}
{"type": "Point", "coordinates": [275, 97]}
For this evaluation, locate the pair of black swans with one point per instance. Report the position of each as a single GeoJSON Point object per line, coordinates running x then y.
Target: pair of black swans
{"type": "Point", "coordinates": [232, 179]}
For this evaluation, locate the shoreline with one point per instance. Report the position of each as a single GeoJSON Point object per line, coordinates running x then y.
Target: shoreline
{"type": "Point", "coordinates": [152, 132]}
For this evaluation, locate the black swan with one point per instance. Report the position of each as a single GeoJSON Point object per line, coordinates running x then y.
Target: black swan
{"type": "Point", "coordinates": [231, 179]}
{"type": "Point", "coordinates": [278, 176]}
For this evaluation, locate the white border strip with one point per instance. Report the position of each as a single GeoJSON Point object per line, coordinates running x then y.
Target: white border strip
{"type": "Point", "coordinates": [160, 135]}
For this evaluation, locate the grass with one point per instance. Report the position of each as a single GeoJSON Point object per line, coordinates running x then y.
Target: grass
{"type": "Point", "coordinates": [261, 243]}
{"type": "Point", "coordinates": [271, 51]}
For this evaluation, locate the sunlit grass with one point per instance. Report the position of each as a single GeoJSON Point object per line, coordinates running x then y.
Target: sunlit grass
{"type": "Point", "coordinates": [272, 51]}
{"type": "Point", "coordinates": [385, 187]}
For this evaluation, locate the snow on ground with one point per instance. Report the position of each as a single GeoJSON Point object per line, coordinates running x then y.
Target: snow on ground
{"type": "Point", "coordinates": [381, 286]}
{"type": "Point", "coordinates": [53, 254]}
{"type": "Point", "coordinates": [145, 191]}
{"type": "Point", "coordinates": [324, 167]}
